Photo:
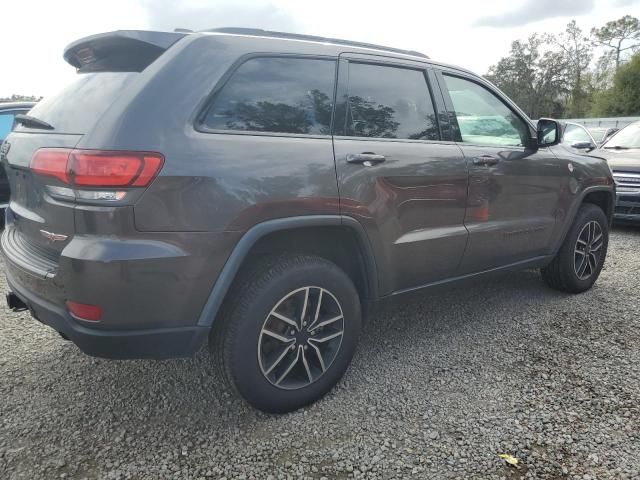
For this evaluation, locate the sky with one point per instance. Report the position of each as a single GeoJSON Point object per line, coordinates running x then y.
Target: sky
{"type": "Point", "coordinates": [470, 33]}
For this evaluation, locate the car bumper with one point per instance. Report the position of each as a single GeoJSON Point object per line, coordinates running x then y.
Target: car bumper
{"type": "Point", "coordinates": [151, 289]}
{"type": "Point", "coordinates": [627, 207]}
{"type": "Point", "coordinates": [157, 343]}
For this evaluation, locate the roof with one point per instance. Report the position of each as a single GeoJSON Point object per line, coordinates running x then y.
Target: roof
{"type": "Point", "coordinates": [257, 32]}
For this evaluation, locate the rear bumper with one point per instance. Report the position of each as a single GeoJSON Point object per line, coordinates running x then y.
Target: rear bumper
{"type": "Point", "coordinates": [160, 343]}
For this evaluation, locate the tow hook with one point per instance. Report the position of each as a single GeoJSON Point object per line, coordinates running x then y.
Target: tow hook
{"type": "Point", "coordinates": [15, 304]}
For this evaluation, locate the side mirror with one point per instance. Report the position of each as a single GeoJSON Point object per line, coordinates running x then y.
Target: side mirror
{"type": "Point", "coordinates": [548, 132]}
{"type": "Point", "coordinates": [583, 146]}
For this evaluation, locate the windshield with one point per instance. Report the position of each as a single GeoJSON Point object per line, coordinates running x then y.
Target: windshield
{"type": "Point", "coordinates": [575, 134]}
{"type": "Point", "coordinates": [598, 134]}
{"type": "Point", "coordinates": [628, 137]}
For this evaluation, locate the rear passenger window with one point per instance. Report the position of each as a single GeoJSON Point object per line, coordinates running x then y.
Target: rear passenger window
{"type": "Point", "coordinates": [279, 95]}
{"type": "Point", "coordinates": [390, 102]}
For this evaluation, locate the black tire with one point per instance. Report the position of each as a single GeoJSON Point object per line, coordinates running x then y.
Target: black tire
{"type": "Point", "coordinates": [561, 274]}
{"type": "Point", "coordinates": [252, 299]}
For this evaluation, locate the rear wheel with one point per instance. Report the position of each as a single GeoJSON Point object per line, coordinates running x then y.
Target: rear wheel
{"type": "Point", "coordinates": [579, 261]}
{"type": "Point", "coordinates": [289, 332]}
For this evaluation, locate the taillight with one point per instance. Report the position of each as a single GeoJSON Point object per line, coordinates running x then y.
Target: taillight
{"type": "Point", "coordinates": [51, 162]}
{"type": "Point", "coordinates": [97, 168]}
{"type": "Point", "coordinates": [83, 311]}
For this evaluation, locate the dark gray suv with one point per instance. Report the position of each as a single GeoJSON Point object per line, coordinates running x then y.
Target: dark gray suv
{"type": "Point", "coordinates": [258, 191]}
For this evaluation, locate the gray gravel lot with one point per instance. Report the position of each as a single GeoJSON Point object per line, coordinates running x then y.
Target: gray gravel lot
{"type": "Point", "coordinates": [442, 383]}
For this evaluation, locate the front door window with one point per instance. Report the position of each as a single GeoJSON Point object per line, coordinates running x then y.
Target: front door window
{"type": "Point", "coordinates": [483, 119]}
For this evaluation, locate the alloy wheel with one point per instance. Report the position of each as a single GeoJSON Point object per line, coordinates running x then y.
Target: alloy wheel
{"type": "Point", "coordinates": [588, 250]}
{"type": "Point", "coordinates": [300, 338]}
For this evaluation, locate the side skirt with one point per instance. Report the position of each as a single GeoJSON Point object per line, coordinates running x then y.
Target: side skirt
{"type": "Point", "coordinates": [536, 262]}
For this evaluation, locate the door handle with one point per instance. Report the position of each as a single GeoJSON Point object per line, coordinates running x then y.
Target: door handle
{"type": "Point", "coordinates": [368, 159]}
{"type": "Point", "coordinates": [487, 160]}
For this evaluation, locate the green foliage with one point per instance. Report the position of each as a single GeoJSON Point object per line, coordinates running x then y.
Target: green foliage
{"type": "Point", "coordinates": [535, 80]}
{"type": "Point", "coordinates": [623, 98]}
{"type": "Point", "coordinates": [556, 75]}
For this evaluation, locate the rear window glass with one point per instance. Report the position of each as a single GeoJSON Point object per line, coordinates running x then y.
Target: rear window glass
{"type": "Point", "coordinates": [79, 105]}
{"type": "Point", "coordinates": [390, 102]}
{"type": "Point", "coordinates": [279, 95]}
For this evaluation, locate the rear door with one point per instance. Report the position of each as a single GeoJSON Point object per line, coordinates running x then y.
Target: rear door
{"type": "Point", "coordinates": [515, 188]}
{"type": "Point", "coordinates": [396, 173]}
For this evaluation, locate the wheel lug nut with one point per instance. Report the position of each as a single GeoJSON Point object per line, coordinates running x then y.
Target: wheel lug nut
{"type": "Point", "coordinates": [306, 347]}
{"type": "Point", "coordinates": [292, 332]}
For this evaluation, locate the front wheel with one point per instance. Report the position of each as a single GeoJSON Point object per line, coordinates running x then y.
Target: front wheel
{"type": "Point", "coordinates": [579, 261]}
{"type": "Point", "coordinates": [289, 331]}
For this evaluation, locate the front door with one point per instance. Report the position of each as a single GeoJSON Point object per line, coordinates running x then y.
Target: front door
{"type": "Point", "coordinates": [515, 188]}
{"type": "Point", "coordinates": [396, 175]}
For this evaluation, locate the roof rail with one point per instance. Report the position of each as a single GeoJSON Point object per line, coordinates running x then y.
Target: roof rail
{"type": "Point", "coordinates": [258, 32]}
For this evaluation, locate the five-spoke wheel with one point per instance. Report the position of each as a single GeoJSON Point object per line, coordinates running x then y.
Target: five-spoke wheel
{"type": "Point", "coordinates": [290, 332]}
{"type": "Point", "coordinates": [300, 337]}
{"type": "Point", "coordinates": [588, 250]}
{"type": "Point", "coordinates": [577, 265]}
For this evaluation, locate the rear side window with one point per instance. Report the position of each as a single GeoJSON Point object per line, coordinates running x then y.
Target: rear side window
{"type": "Point", "coordinates": [390, 102]}
{"type": "Point", "coordinates": [277, 95]}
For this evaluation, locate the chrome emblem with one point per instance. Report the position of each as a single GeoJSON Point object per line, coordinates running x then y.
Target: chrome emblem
{"type": "Point", "coordinates": [53, 237]}
{"type": "Point", "coordinates": [570, 167]}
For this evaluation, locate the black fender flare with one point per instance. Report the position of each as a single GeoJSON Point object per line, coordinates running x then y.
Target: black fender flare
{"type": "Point", "coordinates": [576, 205]}
{"type": "Point", "coordinates": [255, 233]}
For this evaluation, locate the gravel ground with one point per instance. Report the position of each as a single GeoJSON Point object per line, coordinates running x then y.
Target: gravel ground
{"type": "Point", "coordinates": [442, 383]}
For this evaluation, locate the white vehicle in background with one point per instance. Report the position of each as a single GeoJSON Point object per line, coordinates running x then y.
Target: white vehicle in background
{"type": "Point", "coordinates": [622, 151]}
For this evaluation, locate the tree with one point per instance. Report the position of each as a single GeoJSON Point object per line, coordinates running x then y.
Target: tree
{"type": "Point", "coordinates": [535, 79]}
{"type": "Point", "coordinates": [20, 98]}
{"type": "Point", "coordinates": [623, 98]}
{"type": "Point", "coordinates": [618, 36]}
{"type": "Point", "coordinates": [556, 75]}
{"type": "Point", "coordinates": [577, 52]}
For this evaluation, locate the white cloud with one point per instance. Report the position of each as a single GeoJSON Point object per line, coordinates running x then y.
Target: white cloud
{"type": "Point", "coordinates": [168, 15]}
{"type": "Point", "coordinates": [535, 10]}
{"type": "Point", "coordinates": [32, 49]}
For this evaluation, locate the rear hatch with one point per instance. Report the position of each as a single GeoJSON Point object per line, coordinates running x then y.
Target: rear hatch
{"type": "Point", "coordinates": [40, 218]}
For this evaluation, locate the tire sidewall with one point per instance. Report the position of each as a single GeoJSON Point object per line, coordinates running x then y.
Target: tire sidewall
{"type": "Point", "coordinates": [243, 362]}
{"type": "Point", "coordinates": [586, 214]}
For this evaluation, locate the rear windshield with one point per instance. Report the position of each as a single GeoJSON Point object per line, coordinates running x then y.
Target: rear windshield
{"type": "Point", "coordinates": [77, 107]}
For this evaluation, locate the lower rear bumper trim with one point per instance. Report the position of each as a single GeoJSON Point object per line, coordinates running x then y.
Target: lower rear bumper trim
{"type": "Point", "coordinates": [160, 343]}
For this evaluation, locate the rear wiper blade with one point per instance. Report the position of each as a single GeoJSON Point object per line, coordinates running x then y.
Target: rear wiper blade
{"type": "Point", "coordinates": [617, 147]}
{"type": "Point", "coordinates": [32, 122]}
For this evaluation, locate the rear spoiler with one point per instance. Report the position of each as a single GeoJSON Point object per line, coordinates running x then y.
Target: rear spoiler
{"type": "Point", "coordinates": [119, 51]}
